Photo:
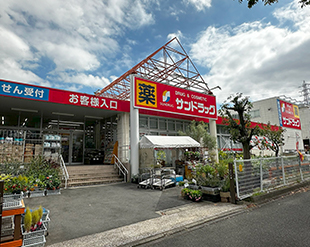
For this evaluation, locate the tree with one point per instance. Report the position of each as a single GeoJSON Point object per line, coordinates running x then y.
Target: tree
{"type": "Point", "coordinates": [251, 3]}
{"type": "Point", "coordinates": [240, 127]}
{"type": "Point", "coordinates": [199, 132]}
{"type": "Point", "coordinates": [275, 136]}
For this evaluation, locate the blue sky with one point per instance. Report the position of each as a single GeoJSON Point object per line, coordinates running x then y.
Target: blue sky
{"type": "Point", "coordinates": [84, 45]}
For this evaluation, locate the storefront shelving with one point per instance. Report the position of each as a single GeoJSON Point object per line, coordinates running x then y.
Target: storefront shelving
{"type": "Point", "coordinates": [52, 146]}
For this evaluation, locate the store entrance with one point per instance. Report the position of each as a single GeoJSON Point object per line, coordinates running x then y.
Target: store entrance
{"type": "Point", "coordinates": [72, 147]}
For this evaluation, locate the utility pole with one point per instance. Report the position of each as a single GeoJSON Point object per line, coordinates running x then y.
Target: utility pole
{"type": "Point", "coordinates": [305, 92]}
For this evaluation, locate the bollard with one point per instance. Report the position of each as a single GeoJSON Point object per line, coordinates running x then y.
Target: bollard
{"type": "Point", "coordinates": [232, 183]}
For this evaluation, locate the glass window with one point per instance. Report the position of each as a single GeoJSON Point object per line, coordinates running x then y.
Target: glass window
{"type": "Point", "coordinates": [153, 123]}
{"type": "Point", "coordinates": [179, 126]}
{"type": "Point", "coordinates": [143, 122]}
{"type": "Point", "coordinates": [162, 124]}
{"type": "Point", "coordinates": [255, 113]}
{"type": "Point", "coordinates": [171, 125]}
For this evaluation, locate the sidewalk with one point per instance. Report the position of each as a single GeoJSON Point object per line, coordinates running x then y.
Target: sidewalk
{"type": "Point", "coordinates": [122, 214]}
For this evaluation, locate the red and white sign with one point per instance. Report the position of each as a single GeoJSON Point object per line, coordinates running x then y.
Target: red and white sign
{"type": "Point", "coordinates": [156, 96]}
{"type": "Point", "coordinates": [288, 115]}
{"type": "Point", "coordinates": [79, 99]}
{"type": "Point", "coordinates": [22, 90]}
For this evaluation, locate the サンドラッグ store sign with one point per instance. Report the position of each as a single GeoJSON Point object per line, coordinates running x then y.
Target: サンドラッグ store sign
{"type": "Point", "coordinates": [288, 115]}
{"type": "Point", "coordinates": [165, 98]}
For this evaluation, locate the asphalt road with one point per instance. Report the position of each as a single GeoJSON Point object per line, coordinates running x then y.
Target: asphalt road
{"type": "Point", "coordinates": [283, 222]}
{"type": "Point", "coordinates": [88, 210]}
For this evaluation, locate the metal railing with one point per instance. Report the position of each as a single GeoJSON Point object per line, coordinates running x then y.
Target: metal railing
{"type": "Point", "coordinates": [121, 168]}
{"type": "Point", "coordinates": [267, 174]}
{"type": "Point", "coordinates": [64, 170]}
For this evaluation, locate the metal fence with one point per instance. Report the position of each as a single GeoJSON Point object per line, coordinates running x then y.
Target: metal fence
{"type": "Point", "coordinates": [267, 174]}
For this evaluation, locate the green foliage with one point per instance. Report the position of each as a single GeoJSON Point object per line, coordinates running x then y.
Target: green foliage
{"type": "Point", "coordinates": [35, 217]}
{"type": "Point", "coordinates": [199, 132]}
{"type": "Point", "coordinates": [212, 175]}
{"type": "Point", "coordinates": [251, 3]}
{"type": "Point", "coordinates": [161, 155]}
{"type": "Point", "coordinates": [185, 192]}
{"type": "Point", "coordinates": [40, 212]}
{"type": "Point", "coordinates": [275, 136]}
{"type": "Point", "coordinates": [225, 185]}
{"type": "Point", "coordinates": [181, 183]}
{"type": "Point", "coordinates": [13, 168]}
{"type": "Point", "coordinates": [195, 195]}
{"type": "Point", "coordinates": [240, 129]}
{"type": "Point", "coordinates": [39, 173]}
{"type": "Point", "coordinates": [28, 220]}
{"type": "Point", "coordinates": [191, 155]}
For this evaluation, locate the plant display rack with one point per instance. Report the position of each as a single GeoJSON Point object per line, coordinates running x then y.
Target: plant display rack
{"type": "Point", "coordinates": [36, 238]}
{"type": "Point", "coordinates": [13, 210]}
{"type": "Point", "coordinates": [38, 241]}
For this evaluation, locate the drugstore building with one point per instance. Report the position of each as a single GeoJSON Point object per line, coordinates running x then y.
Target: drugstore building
{"type": "Point", "coordinates": [85, 129]}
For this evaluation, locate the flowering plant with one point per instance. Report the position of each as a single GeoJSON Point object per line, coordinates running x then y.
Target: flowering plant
{"type": "Point", "coordinates": [195, 195]}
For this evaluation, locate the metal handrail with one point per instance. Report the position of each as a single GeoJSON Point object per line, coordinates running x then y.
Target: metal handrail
{"type": "Point", "coordinates": [64, 170]}
{"type": "Point", "coordinates": [120, 167]}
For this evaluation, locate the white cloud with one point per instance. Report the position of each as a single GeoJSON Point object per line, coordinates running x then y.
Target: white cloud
{"type": "Point", "coordinates": [10, 67]}
{"type": "Point", "coordinates": [75, 34]}
{"type": "Point", "coordinates": [70, 57]}
{"type": "Point", "coordinates": [177, 34]}
{"type": "Point", "coordinates": [92, 81]}
{"type": "Point", "coordinates": [258, 59]}
{"type": "Point", "coordinates": [200, 5]}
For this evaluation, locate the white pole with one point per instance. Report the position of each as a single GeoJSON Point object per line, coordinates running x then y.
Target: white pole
{"type": "Point", "coordinates": [213, 133]}
{"type": "Point", "coordinates": [134, 130]}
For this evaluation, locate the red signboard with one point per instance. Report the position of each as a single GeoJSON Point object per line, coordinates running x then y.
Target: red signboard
{"type": "Point", "coordinates": [155, 96]}
{"type": "Point", "coordinates": [288, 115]}
{"type": "Point", "coordinates": [79, 99]}
{"type": "Point", "coordinates": [22, 90]}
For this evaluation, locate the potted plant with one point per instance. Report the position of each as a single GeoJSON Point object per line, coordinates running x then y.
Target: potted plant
{"type": "Point", "coordinates": [161, 158]}
{"type": "Point", "coordinates": [185, 193]}
{"type": "Point", "coordinates": [195, 195]}
{"type": "Point", "coordinates": [225, 190]}
{"type": "Point", "coordinates": [33, 226]}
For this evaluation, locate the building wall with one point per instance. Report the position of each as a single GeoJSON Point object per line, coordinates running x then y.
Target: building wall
{"type": "Point", "coordinates": [265, 111]}
{"type": "Point", "coordinates": [304, 113]}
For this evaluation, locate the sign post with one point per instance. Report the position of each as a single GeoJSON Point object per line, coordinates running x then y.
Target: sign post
{"type": "Point", "coordinates": [153, 96]}
{"type": "Point", "coordinates": [134, 130]}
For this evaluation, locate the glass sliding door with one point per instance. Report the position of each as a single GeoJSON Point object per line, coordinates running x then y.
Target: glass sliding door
{"type": "Point", "coordinates": [77, 147]}
{"type": "Point", "coordinates": [72, 147]}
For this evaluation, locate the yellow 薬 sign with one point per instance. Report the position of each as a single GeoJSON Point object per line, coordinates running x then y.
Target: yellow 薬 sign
{"type": "Point", "coordinates": [146, 93]}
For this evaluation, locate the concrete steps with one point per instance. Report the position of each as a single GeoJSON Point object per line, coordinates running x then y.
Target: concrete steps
{"type": "Point", "coordinates": [84, 175]}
